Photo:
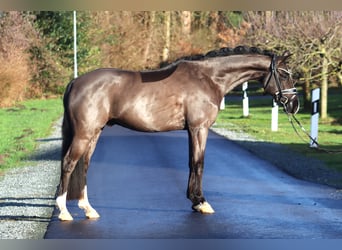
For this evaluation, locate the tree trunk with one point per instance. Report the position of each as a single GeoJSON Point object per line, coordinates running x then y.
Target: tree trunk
{"type": "Point", "coordinates": [324, 85]}
{"type": "Point", "coordinates": [127, 16]}
{"type": "Point", "coordinates": [268, 19]}
{"type": "Point", "coordinates": [186, 23]}
{"type": "Point", "coordinates": [306, 90]}
{"type": "Point", "coordinates": [166, 49]}
{"type": "Point", "coordinates": [150, 36]}
{"type": "Point", "coordinates": [214, 18]}
{"type": "Point", "coordinates": [339, 74]}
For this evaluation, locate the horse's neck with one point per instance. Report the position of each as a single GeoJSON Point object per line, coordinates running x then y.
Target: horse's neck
{"type": "Point", "coordinates": [231, 71]}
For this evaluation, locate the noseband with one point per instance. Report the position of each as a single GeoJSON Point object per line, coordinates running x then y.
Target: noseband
{"type": "Point", "coordinates": [279, 95]}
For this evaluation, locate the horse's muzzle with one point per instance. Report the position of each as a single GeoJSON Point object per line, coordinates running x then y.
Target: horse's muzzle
{"type": "Point", "coordinates": [290, 104]}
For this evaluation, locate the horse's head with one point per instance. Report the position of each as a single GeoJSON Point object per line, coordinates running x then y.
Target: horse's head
{"type": "Point", "coordinates": [279, 83]}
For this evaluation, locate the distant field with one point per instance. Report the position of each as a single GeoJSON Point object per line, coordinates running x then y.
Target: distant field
{"type": "Point", "coordinates": [21, 126]}
{"type": "Point", "coordinates": [258, 125]}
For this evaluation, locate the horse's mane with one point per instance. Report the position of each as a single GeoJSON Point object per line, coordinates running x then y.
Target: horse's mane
{"type": "Point", "coordinates": [224, 51]}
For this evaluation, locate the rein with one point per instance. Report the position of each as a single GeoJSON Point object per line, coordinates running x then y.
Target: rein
{"type": "Point", "coordinates": [279, 96]}
{"type": "Point", "coordinates": [318, 148]}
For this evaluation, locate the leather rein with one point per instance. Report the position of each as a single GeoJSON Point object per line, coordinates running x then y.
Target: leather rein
{"type": "Point", "coordinates": [279, 97]}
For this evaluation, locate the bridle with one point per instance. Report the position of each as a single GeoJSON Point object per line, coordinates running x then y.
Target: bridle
{"type": "Point", "coordinates": [279, 95]}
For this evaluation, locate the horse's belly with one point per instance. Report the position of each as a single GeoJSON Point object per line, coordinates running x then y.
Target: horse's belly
{"type": "Point", "coordinates": [153, 119]}
{"type": "Point", "coordinates": [151, 110]}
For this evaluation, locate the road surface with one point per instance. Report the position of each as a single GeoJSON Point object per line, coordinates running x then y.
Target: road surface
{"type": "Point", "coordinates": [137, 182]}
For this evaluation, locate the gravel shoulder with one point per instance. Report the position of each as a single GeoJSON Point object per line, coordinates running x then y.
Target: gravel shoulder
{"type": "Point", "coordinates": [287, 160]}
{"type": "Point", "coordinates": [27, 197]}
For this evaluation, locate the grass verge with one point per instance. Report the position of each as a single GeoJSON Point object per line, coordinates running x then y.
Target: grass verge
{"type": "Point", "coordinates": [21, 126]}
{"type": "Point", "coordinates": [258, 125]}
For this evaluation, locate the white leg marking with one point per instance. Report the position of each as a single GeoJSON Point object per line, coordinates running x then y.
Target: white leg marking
{"type": "Point", "coordinates": [84, 204]}
{"type": "Point", "coordinates": [204, 208]}
{"type": "Point", "coordinates": [61, 203]}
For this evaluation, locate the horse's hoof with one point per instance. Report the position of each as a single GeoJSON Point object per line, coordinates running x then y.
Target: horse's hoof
{"type": "Point", "coordinates": [93, 215]}
{"type": "Point", "coordinates": [204, 208]}
{"type": "Point", "coordinates": [65, 216]}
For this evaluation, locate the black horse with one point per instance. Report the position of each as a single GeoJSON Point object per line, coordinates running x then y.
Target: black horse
{"type": "Point", "coordinates": [184, 95]}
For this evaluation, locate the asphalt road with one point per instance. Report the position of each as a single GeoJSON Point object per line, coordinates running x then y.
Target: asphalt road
{"type": "Point", "coordinates": [137, 183]}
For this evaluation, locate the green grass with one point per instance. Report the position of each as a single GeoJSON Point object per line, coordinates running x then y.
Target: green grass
{"type": "Point", "coordinates": [21, 126]}
{"type": "Point", "coordinates": [258, 125]}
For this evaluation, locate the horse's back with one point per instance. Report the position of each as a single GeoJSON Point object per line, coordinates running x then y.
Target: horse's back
{"type": "Point", "coordinates": [105, 77]}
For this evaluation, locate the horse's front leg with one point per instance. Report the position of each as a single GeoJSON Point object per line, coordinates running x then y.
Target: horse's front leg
{"type": "Point", "coordinates": [197, 142]}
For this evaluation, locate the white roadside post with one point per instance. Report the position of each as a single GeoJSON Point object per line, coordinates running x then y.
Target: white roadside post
{"type": "Point", "coordinates": [314, 116]}
{"type": "Point", "coordinates": [245, 103]}
{"type": "Point", "coordinates": [274, 122]}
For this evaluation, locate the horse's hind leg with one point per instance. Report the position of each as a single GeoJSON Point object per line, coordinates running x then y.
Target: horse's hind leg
{"type": "Point", "coordinates": [83, 202]}
{"type": "Point", "coordinates": [197, 142]}
{"type": "Point", "coordinates": [70, 160]}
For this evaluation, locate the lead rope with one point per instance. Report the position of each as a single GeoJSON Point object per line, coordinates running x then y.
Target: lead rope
{"type": "Point", "coordinates": [319, 148]}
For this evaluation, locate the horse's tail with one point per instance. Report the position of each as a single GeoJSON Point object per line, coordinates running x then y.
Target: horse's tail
{"type": "Point", "coordinates": [77, 180]}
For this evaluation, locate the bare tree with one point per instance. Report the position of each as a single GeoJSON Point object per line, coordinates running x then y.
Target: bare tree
{"type": "Point", "coordinates": [314, 39]}
{"type": "Point", "coordinates": [167, 24]}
